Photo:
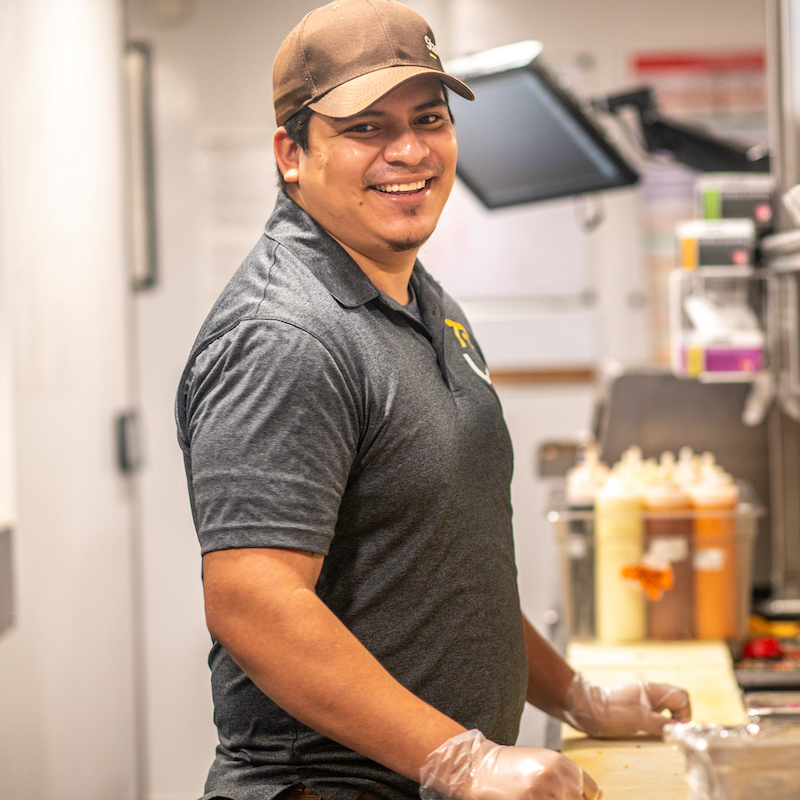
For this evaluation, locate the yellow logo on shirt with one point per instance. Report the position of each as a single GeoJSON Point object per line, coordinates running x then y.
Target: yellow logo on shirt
{"type": "Point", "coordinates": [463, 339]}
{"type": "Point", "coordinates": [461, 333]}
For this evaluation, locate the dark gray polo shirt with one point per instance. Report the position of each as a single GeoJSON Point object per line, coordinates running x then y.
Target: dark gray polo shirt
{"type": "Point", "coordinates": [317, 413]}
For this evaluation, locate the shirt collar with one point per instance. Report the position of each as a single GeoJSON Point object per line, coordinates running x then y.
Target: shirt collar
{"type": "Point", "coordinates": [299, 233]}
{"type": "Point", "coordinates": [293, 228]}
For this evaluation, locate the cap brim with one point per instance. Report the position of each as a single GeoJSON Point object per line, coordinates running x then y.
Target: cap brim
{"type": "Point", "coordinates": [360, 93]}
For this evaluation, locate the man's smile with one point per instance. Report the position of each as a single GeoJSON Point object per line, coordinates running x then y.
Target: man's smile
{"type": "Point", "coordinates": [392, 188]}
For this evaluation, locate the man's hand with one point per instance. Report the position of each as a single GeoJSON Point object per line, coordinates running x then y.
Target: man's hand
{"type": "Point", "coordinates": [470, 767]}
{"type": "Point", "coordinates": [606, 712]}
{"type": "Point", "coordinates": [610, 712]}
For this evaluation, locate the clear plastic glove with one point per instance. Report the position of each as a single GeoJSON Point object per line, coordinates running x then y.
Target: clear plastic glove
{"type": "Point", "coordinates": [471, 767]}
{"type": "Point", "coordinates": [609, 712]}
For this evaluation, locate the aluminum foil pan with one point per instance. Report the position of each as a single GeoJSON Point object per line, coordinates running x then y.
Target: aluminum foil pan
{"type": "Point", "coordinates": [742, 762]}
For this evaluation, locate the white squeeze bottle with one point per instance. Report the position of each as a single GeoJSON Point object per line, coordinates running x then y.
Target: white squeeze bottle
{"type": "Point", "coordinates": [631, 462]}
{"type": "Point", "coordinates": [687, 469]}
{"type": "Point", "coordinates": [619, 541]}
{"type": "Point", "coordinates": [585, 478]}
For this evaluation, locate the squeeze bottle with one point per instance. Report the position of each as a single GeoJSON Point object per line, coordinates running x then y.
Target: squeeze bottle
{"type": "Point", "coordinates": [668, 551]}
{"type": "Point", "coordinates": [619, 539]}
{"type": "Point", "coordinates": [714, 500]}
{"type": "Point", "coordinates": [686, 470]}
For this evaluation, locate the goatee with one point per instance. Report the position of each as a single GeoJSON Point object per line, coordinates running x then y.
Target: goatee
{"type": "Point", "coordinates": [404, 245]}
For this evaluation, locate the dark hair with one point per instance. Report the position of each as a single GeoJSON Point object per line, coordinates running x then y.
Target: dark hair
{"type": "Point", "coordinates": [297, 130]}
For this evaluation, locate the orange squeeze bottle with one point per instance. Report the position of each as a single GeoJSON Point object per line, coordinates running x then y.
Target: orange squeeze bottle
{"type": "Point", "coordinates": [714, 500]}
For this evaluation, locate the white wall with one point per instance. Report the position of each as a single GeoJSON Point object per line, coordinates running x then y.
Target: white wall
{"type": "Point", "coordinates": [215, 188]}
{"type": "Point", "coordinates": [66, 668]}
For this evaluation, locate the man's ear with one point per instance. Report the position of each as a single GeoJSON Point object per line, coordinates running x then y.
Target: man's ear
{"type": "Point", "coordinates": [287, 155]}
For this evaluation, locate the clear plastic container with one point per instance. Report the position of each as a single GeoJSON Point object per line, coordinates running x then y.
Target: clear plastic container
{"type": "Point", "coordinates": [740, 762]}
{"type": "Point", "coordinates": [656, 570]}
{"type": "Point", "coordinates": [716, 321]}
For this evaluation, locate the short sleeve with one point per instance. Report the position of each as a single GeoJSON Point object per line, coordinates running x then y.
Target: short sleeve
{"type": "Point", "coordinates": [271, 431]}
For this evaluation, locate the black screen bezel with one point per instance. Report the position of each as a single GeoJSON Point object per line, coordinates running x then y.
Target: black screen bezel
{"type": "Point", "coordinates": [625, 174]}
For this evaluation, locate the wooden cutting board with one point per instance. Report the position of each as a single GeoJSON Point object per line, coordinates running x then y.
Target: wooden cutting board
{"type": "Point", "coordinates": [644, 768]}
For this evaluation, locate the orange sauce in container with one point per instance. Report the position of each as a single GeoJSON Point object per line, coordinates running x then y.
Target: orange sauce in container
{"type": "Point", "coordinates": [715, 558]}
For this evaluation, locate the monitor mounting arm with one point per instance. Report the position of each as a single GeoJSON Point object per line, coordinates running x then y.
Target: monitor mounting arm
{"type": "Point", "coordinates": [691, 146]}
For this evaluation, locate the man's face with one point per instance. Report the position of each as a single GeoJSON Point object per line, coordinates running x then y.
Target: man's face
{"type": "Point", "coordinates": [377, 181]}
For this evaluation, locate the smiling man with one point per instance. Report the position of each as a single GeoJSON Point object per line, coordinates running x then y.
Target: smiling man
{"type": "Point", "coordinates": [378, 180]}
{"type": "Point", "coordinates": [349, 468]}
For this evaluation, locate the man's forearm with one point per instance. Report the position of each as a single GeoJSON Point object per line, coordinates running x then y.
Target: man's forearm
{"type": "Point", "coordinates": [300, 654]}
{"type": "Point", "coordinates": [549, 676]}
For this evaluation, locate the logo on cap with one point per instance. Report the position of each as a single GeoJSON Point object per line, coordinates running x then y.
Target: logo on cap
{"type": "Point", "coordinates": [434, 53]}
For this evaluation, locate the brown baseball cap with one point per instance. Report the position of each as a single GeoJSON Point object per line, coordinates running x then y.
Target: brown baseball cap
{"type": "Point", "coordinates": [344, 56]}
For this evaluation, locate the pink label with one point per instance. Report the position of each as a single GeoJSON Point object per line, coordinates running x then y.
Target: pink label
{"type": "Point", "coordinates": [738, 359]}
{"type": "Point", "coordinates": [734, 359]}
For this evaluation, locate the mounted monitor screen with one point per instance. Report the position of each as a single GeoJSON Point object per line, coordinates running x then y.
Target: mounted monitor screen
{"type": "Point", "coordinates": [524, 139]}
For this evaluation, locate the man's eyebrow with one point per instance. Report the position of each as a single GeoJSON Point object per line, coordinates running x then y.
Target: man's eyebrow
{"type": "Point", "coordinates": [435, 103]}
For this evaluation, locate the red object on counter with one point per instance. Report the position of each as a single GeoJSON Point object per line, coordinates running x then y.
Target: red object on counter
{"type": "Point", "coordinates": [767, 647]}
